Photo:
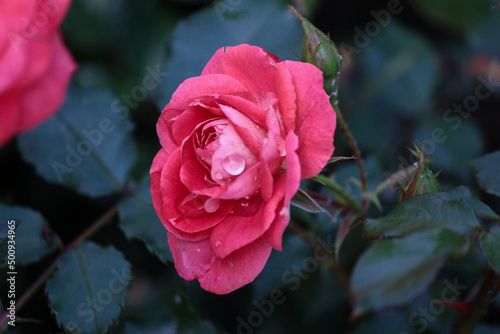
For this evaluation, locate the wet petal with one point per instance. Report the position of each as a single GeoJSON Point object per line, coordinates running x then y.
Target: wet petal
{"type": "Point", "coordinates": [237, 269]}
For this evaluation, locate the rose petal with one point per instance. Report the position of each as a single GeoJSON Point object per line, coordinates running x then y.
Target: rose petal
{"type": "Point", "coordinates": [193, 177]}
{"type": "Point", "coordinates": [161, 170]}
{"type": "Point", "coordinates": [315, 120]}
{"type": "Point", "coordinates": [54, 11]}
{"type": "Point", "coordinates": [274, 234]}
{"type": "Point", "coordinates": [287, 98]}
{"type": "Point", "coordinates": [234, 232]}
{"type": "Point", "coordinates": [251, 134]}
{"type": "Point", "coordinates": [174, 193]}
{"type": "Point", "coordinates": [250, 65]}
{"type": "Point", "coordinates": [212, 67]}
{"type": "Point", "coordinates": [247, 107]}
{"type": "Point", "coordinates": [17, 14]}
{"type": "Point", "coordinates": [164, 129]}
{"type": "Point", "coordinates": [44, 98]}
{"type": "Point", "coordinates": [192, 259]}
{"type": "Point", "coordinates": [203, 85]}
{"type": "Point", "coordinates": [237, 269]}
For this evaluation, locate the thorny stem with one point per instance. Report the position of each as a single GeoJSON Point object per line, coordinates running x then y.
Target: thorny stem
{"type": "Point", "coordinates": [332, 265]}
{"type": "Point", "coordinates": [94, 227]}
{"type": "Point", "coordinates": [355, 149]}
{"type": "Point", "coordinates": [489, 288]}
{"type": "Point", "coordinates": [393, 179]}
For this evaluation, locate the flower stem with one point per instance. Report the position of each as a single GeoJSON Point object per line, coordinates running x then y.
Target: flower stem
{"type": "Point", "coordinates": [94, 227]}
{"type": "Point", "coordinates": [486, 293]}
{"type": "Point", "coordinates": [338, 190]}
{"type": "Point", "coordinates": [355, 149]}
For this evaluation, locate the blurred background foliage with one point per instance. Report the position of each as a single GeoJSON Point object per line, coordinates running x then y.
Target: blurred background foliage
{"type": "Point", "coordinates": [401, 74]}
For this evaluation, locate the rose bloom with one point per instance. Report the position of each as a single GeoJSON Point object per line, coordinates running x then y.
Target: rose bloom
{"type": "Point", "coordinates": [35, 66]}
{"type": "Point", "coordinates": [235, 143]}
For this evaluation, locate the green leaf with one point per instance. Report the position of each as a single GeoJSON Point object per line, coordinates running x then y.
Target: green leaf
{"type": "Point", "coordinates": [87, 291]}
{"type": "Point", "coordinates": [163, 310]}
{"type": "Point", "coordinates": [305, 202]}
{"type": "Point", "coordinates": [401, 71]}
{"type": "Point", "coordinates": [462, 192]}
{"type": "Point", "coordinates": [138, 219]}
{"type": "Point", "coordinates": [434, 210]}
{"type": "Point", "coordinates": [86, 146]}
{"type": "Point", "coordinates": [487, 172]}
{"type": "Point", "coordinates": [33, 237]}
{"type": "Point", "coordinates": [393, 272]}
{"type": "Point", "coordinates": [265, 23]}
{"type": "Point", "coordinates": [490, 243]}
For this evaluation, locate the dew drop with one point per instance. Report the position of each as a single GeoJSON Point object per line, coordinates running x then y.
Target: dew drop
{"type": "Point", "coordinates": [231, 264]}
{"type": "Point", "coordinates": [219, 175]}
{"type": "Point", "coordinates": [212, 205]}
{"type": "Point", "coordinates": [282, 149]}
{"type": "Point", "coordinates": [257, 127]}
{"type": "Point", "coordinates": [285, 212]}
{"type": "Point", "coordinates": [247, 197]}
{"type": "Point", "coordinates": [234, 164]}
{"type": "Point", "coordinates": [218, 243]}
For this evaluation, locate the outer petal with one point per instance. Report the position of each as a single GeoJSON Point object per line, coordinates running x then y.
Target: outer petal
{"type": "Point", "coordinates": [250, 65]}
{"type": "Point", "coordinates": [315, 119]}
{"type": "Point", "coordinates": [173, 191]}
{"type": "Point", "coordinates": [16, 13]}
{"type": "Point", "coordinates": [192, 258]}
{"type": "Point", "coordinates": [235, 231]}
{"type": "Point", "coordinates": [287, 98]}
{"type": "Point", "coordinates": [56, 10]}
{"type": "Point", "coordinates": [212, 66]}
{"type": "Point", "coordinates": [274, 234]}
{"type": "Point", "coordinates": [164, 129]}
{"type": "Point", "coordinates": [203, 85]}
{"type": "Point", "coordinates": [156, 175]}
{"type": "Point", "coordinates": [237, 269]}
{"type": "Point", "coordinates": [44, 98]}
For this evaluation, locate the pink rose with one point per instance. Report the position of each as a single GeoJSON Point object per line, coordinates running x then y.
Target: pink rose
{"type": "Point", "coordinates": [35, 66]}
{"type": "Point", "coordinates": [235, 143]}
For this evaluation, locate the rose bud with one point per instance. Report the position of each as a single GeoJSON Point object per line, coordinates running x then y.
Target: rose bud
{"type": "Point", "coordinates": [319, 50]}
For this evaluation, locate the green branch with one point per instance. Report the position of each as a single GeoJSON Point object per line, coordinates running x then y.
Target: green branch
{"type": "Point", "coordinates": [94, 227]}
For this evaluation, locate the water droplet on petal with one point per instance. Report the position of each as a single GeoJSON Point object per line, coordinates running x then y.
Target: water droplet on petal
{"type": "Point", "coordinates": [218, 243]}
{"type": "Point", "coordinates": [247, 197]}
{"type": "Point", "coordinates": [282, 149]}
{"type": "Point", "coordinates": [234, 164]}
{"type": "Point", "coordinates": [285, 212]}
{"type": "Point", "coordinates": [231, 264]}
{"type": "Point", "coordinates": [212, 205]}
{"type": "Point", "coordinates": [219, 175]}
{"type": "Point", "coordinates": [257, 127]}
